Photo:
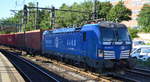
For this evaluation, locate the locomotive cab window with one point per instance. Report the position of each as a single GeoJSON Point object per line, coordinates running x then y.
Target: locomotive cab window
{"type": "Point", "coordinates": [122, 34]}
{"type": "Point", "coordinates": [108, 34]}
{"type": "Point", "coordinates": [84, 36]}
{"type": "Point", "coordinates": [115, 34]}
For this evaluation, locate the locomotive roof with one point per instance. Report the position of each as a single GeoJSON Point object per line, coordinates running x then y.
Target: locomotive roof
{"type": "Point", "coordinates": [83, 28]}
{"type": "Point", "coordinates": [107, 24]}
{"type": "Point", "coordinates": [111, 25]}
{"type": "Point", "coordinates": [63, 30]}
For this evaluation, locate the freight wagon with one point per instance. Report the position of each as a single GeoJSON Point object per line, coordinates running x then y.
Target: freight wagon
{"type": "Point", "coordinates": [30, 40]}
{"type": "Point", "coordinates": [7, 39]}
{"type": "Point", "coordinates": [33, 41]}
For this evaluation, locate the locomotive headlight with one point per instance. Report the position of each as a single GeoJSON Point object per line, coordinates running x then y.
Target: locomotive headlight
{"type": "Point", "coordinates": [100, 53]}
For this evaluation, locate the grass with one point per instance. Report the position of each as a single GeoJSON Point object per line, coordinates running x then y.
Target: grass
{"type": "Point", "coordinates": [147, 44]}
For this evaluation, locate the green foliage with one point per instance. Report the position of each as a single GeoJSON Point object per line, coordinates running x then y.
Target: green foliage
{"type": "Point", "coordinates": [2, 32]}
{"type": "Point", "coordinates": [44, 19]}
{"type": "Point", "coordinates": [69, 19]}
{"type": "Point", "coordinates": [31, 18]}
{"type": "Point", "coordinates": [64, 18]}
{"type": "Point", "coordinates": [104, 8]}
{"type": "Point", "coordinates": [8, 25]}
{"type": "Point", "coordinates": [119, 13]}
{"type": "Point", "coordinates": [147, 44]}
{"type": "Point", "coordinates": [144, 18]}
{"type": "Point", "coordinates": [133, 32]}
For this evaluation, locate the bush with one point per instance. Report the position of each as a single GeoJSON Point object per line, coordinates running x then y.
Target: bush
{"type": "Point", "coordinates": [133, 32]}
{"type": "Point", "coordinates": [147, 44]}
{"type": "Point", "coordinates": [145, 29]}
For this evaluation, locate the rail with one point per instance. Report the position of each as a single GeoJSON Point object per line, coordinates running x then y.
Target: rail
{"type": "Point", "coordinates": [29, 71]}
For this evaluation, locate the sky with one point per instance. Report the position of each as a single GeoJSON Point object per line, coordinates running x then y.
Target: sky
{"type": "Point", "coordinates": [7, 5]}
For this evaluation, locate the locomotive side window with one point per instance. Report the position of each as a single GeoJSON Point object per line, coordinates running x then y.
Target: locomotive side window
{"type": "Point", "coordinates": [84, 36]}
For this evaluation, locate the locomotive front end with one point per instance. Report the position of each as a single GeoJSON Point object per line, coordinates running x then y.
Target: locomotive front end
{"type": "Point", "coordinates": [115, 45]}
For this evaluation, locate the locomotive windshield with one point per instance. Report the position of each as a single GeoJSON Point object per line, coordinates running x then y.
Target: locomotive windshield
{"type": "Point", "coordinates": [122, 34]}
{"type": "Point", "coordinates": [115, 34]}
{"type": "Point", "coordinates": [107, 34]}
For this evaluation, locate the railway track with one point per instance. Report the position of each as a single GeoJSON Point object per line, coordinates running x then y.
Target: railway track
{"type": "Point", "coordinates": [114, 77]}
{"type": "Point", "coordinates": [143, 70]}
{"type": "Point", "coordinates": [134, 75]}
{"type": "Point", "coordinates": [78, 71]}
{"type": "Point", "coordinates": [30, 71]}
{"type": "Point", "coordinates": [69, 68]}
{"type": "Point", "coordinates": [140, 71]}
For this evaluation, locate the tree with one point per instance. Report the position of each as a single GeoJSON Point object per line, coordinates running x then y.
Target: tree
{"type": "Point", "coordinates": [78, 18]}
{"type": "Point", "coordinates": [86, 6]}
{"type": "Point", "coordinates": [68, 18]}
{"type": "Point", "coordinates": [44, 19]}
{"type": "Point", "coordinates": [119, 13]}
{"type": "Point", "coordinates": [144, 18]}
{"type": "Point", "coordinates": [64, 18]}
{"type": "Point", "coordinates": [104, 8]}
{"type": "Point", "coordinates": [31, 18]}
{"type": "Point", "coordinates": [8, 25]}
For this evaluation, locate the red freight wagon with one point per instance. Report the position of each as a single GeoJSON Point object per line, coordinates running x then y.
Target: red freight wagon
{"type": "Point", "coordinates": [7, 39]}
{"type": "Point", "coordinates": [10, 39]}
{"type": "Point", "coordinates": [2, 38]}
{"type": "Point", "coordinates": [33, 40]}
{"type": "Point", "coordinates": [19, 37]}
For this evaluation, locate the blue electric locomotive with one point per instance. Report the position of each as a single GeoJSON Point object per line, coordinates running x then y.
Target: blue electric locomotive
{"type": "Point", "coordinates": [102, 45]}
